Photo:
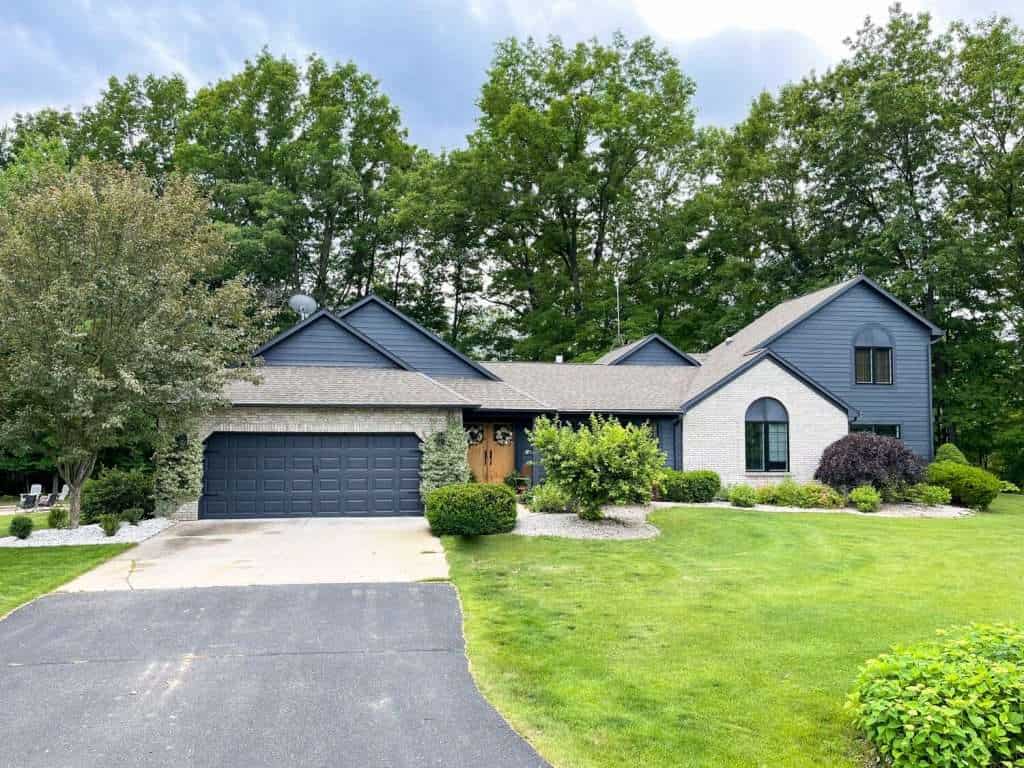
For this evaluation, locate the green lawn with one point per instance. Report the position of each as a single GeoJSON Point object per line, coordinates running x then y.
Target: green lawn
{"type": "Point", "coordinates": [730, 640]}
{"type": "Point", "coordinates": [38, 522]}
{"type": "Point", "coordinates": [27, 573]}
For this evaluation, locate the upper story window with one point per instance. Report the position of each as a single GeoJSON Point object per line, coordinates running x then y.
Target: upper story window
{"type": "Point", "coordinates": [872, 356]}
{"type": "Point", "coordinates": [767, 436]}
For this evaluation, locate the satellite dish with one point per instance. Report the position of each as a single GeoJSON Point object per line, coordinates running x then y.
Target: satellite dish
{"type": "Point", "coordinates": [303, 304]}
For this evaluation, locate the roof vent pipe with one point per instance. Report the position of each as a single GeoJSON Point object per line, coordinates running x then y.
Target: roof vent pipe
{"type": "Point", "coordinates": [559, 359]}
{"type": "Point", "coordinates": [728, 339]}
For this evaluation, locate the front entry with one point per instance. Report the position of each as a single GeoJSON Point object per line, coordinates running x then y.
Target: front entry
{"type": "Point", "coordinates": [492, 451]}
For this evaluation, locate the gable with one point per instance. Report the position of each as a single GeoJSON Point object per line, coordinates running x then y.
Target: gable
{"type": "Point", "coordinates": [419, 348]}
{"type": "Point", "coordinates": [654, 352]}
{"type": "Point", "coordinates": [325, 342]}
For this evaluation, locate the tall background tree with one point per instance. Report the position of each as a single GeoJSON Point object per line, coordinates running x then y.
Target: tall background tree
{"type": "Point", "coordinates": [903, 161]}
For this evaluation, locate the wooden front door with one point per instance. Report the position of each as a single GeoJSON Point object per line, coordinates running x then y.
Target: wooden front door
{"type": "Point", "coordinates": [492, 451]}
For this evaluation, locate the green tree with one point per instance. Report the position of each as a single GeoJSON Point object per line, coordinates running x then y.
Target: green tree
{"type": "Point", "coordinates": [107, 330]}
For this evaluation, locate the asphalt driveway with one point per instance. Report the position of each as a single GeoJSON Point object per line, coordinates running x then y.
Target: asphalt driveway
{"type": "Point", "coordinates": [316, 675]}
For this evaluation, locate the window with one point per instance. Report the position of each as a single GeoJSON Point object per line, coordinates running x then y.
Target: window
{"type": "Point", "coordinates": [888, 430]}
{"type": "Point", "coordinates": [767, 436]}
{"type": "Point", "coordinates": [873, 365]}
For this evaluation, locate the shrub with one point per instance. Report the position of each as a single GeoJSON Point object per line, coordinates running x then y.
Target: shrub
{"type": "Point", "coordinates": [865, 498]}
{"type": "Point", "coordinates": [110, 524]}
{"type": "Point", "coordinates": [471, 509]}
{"type": "Point", "coordinates": [116, 490]}
{"type": "Point", "coordinates": [177, 472]}
{"type": "Point", "coordinates": [1009, 487]}
{"type": "Point", "coordinates": [599, 462]}
{"type": "Point", "coordinates": [949, 452]}
{"type": "Point", "coordinates": [57, 518]}
{"type": "Point", "coordinates": [866, 458]}
{"type": "Point", "coordinates": [693, 487]}
{"type": "Point", "coordinates": [21, 526]}
{"type": "Point", "coordinates": [742, 495]}
{"type": "Point", "coordinates": [133, 515]}
{"type": "Point", "coordinates": [929, 495]}
{"type": "Point", "coordinates": [444, 459]}
{"type": "Point", "coordinates": [953, 703]}
{"type": "Point", "coordinates": [970, 486]}
{"type": "Point", "coordinates": [548, 497]}
{"type": "Point", "coordinates": [789, 493]}
{"type": "Point", "coordinates": [820, 496]}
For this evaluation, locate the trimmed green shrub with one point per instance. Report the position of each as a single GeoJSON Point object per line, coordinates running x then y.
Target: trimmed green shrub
{"type": "Point", "coordinates": [471, 509]}
{"type": "Point", "coordinates": [789, 493]}
{"type": "Point", "coordinates": [694, 487]}
{"type": "Point", "coordinates": [133, 515]}
{"type": "Point", "coordinates": [970, 486]}
{"type": "Point", "coordinates": [57, 518]}
{"type": "Point", "coordinates": [21, 526]}
{"type": "Point", "coordinates": [865, 498]}
{"type": "Point", "coordinates": [1009, 487]}
{"type": "Point", "coordinates": [742, 495]}
{"type": "Point", "coordinates": [116, 490]}
{"type": "Point", "coordinates": [110, 524]}
{"type": "Point", "coordinates": [929, 495]}
{"type": "Point", "coordinates": [445, 459]}
{"type": "Point", "coordinates": [949, 452]}
{"type": "Point", "coordinates": [549, 498]}
{"type": "Point", "coordinates": [600, 462]}
{"type": "Point", "coordinates": [958, 702]}
{"type": "Point", "coordinates": [864, 457]}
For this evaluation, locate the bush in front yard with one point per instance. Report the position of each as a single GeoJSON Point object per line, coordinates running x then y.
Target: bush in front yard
{"type": "Point", "coordinates": [550, 498]}
{"type": "Point", "coordinates": [110, 524]}
{"type": "Point", "coordinates": [471, 509]}
{"type": "Point", "coordinates": [866, 458]}
{"type": "Point", "coordinates": [742, 495]}
{"type": "Point", "coordinates": [697, 486]}
{"type": "Point", "coordinates": [133, 515]}
{"type": "Point", "coordinates": [21, 526]}
{"type": "Point", "coordinates": [789, 493]}
{"type": "Point", "coordinates": [57, 518]}
{"type": "Point", "coordinates": [928, 495]}
{"type": "Point", "coordinates": [116, 490]}
{"type": "Point", "coordinates": [953, 703]}
{"type": "Point", "coordinates": [599, 462]}
{"type": "Point", "coordinates": [949, 452]}
{"type": "Point", "coordinates": [865, 498]}
{"type": "Point", "coordinates": [970, 486]}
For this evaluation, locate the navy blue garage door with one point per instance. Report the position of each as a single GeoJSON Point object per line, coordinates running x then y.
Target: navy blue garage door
{"type": "Point", "coordinates": [305, 475]}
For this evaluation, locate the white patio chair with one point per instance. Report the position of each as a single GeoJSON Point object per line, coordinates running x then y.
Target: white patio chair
{"type": "Point", "coordinates": [28, 500]}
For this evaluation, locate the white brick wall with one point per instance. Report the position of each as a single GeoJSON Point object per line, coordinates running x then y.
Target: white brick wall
{"type": "Point", "coordinates": [419, 421]}
{"type": "Point", "coordinates": [713, 431]}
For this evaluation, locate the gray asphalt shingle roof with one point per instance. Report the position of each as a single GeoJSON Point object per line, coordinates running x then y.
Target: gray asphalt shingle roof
{"type": "Point", "coordinates": [316, 385]}
{"type": "Point", "coordinates": [495, 395]}
{"type": "Point", "coordinates": [573, 387]}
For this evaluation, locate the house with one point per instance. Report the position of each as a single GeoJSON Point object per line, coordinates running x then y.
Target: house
{"type": "Point", "coordinates": [334, 427]}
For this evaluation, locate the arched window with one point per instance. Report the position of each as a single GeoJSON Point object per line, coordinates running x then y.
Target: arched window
{"type": "Point", "coordinates": [767, 436]}
{"type": "Point", "coordinates": [872, 356]}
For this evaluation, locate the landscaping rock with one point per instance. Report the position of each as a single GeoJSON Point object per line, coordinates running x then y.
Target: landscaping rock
{"type": "Point", "coordinates": [629, 522]}
{"type": "Point", "coordinates": [89, 534]}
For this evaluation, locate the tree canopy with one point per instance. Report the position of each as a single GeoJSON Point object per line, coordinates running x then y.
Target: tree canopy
{"type": "Point", "coordinates": [903, 161]}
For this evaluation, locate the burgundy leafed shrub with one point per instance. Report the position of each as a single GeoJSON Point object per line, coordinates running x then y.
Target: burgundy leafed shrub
{"type": "Point", "coordinates": [864, 458]}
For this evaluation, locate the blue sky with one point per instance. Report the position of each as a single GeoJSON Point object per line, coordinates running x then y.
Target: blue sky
{"type": "Point", "coordinates": [430, 57]}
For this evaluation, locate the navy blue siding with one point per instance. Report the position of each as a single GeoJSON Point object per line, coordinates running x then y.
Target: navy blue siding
{"type": "Point", "coordinates": [653, 353]}
{"type": "Point", "coordinates": [403, 340]}
{"type": "Point", "coordinates": [822, 347]}
{"type": "Point", "coordinates": [324, 342]}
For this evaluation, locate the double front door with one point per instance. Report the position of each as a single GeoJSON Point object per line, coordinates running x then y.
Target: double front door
{"type": "Point", "coordinates": [492, 451]}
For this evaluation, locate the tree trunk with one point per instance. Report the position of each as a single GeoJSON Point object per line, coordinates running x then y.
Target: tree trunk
{"type": "Point", "coordinates": [75, 474]}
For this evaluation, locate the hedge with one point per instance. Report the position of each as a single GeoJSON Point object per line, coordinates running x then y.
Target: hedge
{"type": "Point", "coordinates": [694, 487]}
{"type": "Point", "coordinates": [970, 486]}
{"type": "Point", "coordinates": [472, 509]}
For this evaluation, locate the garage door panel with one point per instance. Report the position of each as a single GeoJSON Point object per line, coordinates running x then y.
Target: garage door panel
{"type": "Point", "coordinates": [296, 475]}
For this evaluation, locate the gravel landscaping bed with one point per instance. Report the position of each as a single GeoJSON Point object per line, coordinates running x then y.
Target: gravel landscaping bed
{"type": "Point", "coordinates": [887, 510]}
{"type": "Point", "coordinates": [629, 522]}
{"type": "Point", "coordinates": [89, 534]}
